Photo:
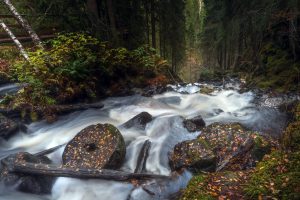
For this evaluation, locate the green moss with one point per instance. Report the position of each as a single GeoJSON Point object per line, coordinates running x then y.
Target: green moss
{"type": "Point", "coordinates": [261, 147]}
{"type": "Point", "coordinates": [291, 137]}
{"type": "Point", "coordinates": [34, 116]}
{"type": "Point", "coordinates": [196, 189]}
{"type": "Point", "coordinates": [204, 143]}
{"type": "Point", "coordinates": [9, 53]}
{"type": "Point", "coordinates": [277, 176]}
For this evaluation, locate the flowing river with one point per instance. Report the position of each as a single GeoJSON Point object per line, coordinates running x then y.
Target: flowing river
{"type": "Point", "coordinates": [165, 131]}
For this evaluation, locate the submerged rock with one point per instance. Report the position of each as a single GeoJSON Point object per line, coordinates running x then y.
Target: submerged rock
{"type": "Point", "coordinates": [7, 127]}
{"type": "Point", "coordinates": [96, 147]}
{"type": "Point", "coordinates": [140, 121]}
{"type": "Point", "coordinates": [35, 184]}
{"type": "Point", "coordinates": [233, 147]}
{"type": "Point", "coordinates": [194, 124]}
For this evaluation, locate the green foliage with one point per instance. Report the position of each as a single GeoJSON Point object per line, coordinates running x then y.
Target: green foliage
{"type": "Point", "coordinates": [259, 38]}
{"type": "Point", "coordinates": [8, 53]}
{"type": "Point", "coordinates": [277, 176]}
{"type": "Point", "coordinates": [76, 65]}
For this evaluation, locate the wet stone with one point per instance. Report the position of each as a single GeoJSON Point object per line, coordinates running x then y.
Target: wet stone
{"type": "Point", "coordinates": [34, 184]}
{"type": "Point", "coordinates": [8, 127]}
{"type": "Point", "coordinates": [139, 121]}
{"type": "Point", "coordinates": [194, 124]}
{"type": "Point", "coordinates": [96, 147]}
{"type": "Point", "coordinates": [231, 145]}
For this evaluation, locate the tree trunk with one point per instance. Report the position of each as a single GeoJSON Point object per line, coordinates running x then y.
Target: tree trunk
{"type": "Point", "coordinates": [16, 41]}
{"type": "Point", "coordinates": [146, 5]}
{"type": "Point", "coordinates": [35, 38]}
{"type": "Point", "coordinates": [153, 23]}
{"type": "Point", "coordinates": [16, 166]}
{"type": "Point", "coordinates": [112, 22]}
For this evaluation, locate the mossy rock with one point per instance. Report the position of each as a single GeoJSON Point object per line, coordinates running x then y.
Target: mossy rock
{"type": "Point", "coordinates": [194, 155]}
{"type": "Point", "coordinates": [291, 137]}
{"type": "Point", "coordinates": [96, 147]}
{"type": "Point", "coordinates": [206, 90]}
{"type": "Point", "coordinates": [221, 147]}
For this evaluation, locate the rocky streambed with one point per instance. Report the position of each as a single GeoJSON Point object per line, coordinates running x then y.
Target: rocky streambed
{"type": "Point", "coordinates": [151, 144]}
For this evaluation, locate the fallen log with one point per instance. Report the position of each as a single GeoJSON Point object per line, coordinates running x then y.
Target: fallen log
{"type": "Point", "coordinates": [56, 109]}
{"type": "Point", "coordinates": [14, 165]}
{"type": "Point", "coordinates": [48, 151]}
{"type": "Point", "coordinates": [142, 158]}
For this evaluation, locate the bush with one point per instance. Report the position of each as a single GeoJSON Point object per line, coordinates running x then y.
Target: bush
{"type": "Point", "coordinates": [77, 66]}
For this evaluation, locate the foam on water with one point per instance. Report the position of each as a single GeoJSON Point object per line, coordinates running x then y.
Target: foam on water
{"type": "Point", "coordinates": [165, 131]}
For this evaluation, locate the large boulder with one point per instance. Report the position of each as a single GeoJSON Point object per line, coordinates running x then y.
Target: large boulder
{"type": "Point", "coordinates": [96, 147]}
{"type": "Point", "coordinates": [34, 184]}
{"type": "Point", "coordinates": [233, 147]}
{"type": "Point", "coordinates": [7, 127]}
{"type": "Point", "coordinates": [194, 124]}
{"type": "Point", "coordinates": [139, 121]}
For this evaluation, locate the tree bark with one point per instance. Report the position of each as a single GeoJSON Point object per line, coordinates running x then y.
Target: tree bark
{"type": "Point", "coordinates": [142, 158]}
{"type": "Point", "coordinates": [16, 166]}
{"type": "Point", "coordinates": [15, 40]}
{"type": "Point", "coordinates": [112, 21]}
{"type": "Point", "coordinates": [153, 23]}
{"type": "Point", "coordinates": [48, 151]}
{"type": "Point", "coordinates": [35, 38]}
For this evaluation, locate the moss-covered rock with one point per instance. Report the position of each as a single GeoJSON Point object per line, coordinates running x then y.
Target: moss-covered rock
{"type": "Point", "coordinates": [97, 146]}
{"type": "Point", "coordinates": [193, 154]}
{"type": "Point", "coordinates": [229, 146]}
{"type": "Point", "coordinates": [291, 137]}
{"type": "Point", "coordinates": [206, 90]}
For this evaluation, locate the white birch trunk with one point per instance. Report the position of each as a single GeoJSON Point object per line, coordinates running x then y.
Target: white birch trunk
{"type": "Point", "coordinates": [23, 22]}
{"type": "Point", "coordinates": [16, 41]}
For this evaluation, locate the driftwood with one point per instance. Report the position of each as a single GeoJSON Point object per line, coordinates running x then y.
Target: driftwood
{"type": "Point", "coordinates": [48, 151]}
{"type": "Point", "coordinates": [57, 109]}
{"type": "Point", "coordinates": [142, 158]}
{"type": "Point", "coordinates": [16, 166]}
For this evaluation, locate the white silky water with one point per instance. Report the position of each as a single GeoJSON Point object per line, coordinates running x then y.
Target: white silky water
{"type": "Point", "coordinates": [165, 131]}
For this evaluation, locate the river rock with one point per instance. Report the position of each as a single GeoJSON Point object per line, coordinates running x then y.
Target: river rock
{"type": "Point", "coordinates": [233, 147]}
{"type": "Point", "coordinates": [194, 155]}
{"type": "Point", "coordinates": [139, 121]}
{"type": "Point", "coordinates": [96, 147]}
{"type": "Point", "coordinates": [194, 124]}
{"type": "Point", "coordinates": [28, 183]}
{"type": "Point", "coordinates": [7, 127]}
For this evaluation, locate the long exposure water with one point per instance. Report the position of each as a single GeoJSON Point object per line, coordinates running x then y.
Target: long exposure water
{"type": "Point", "coordinates": [166, 130]}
